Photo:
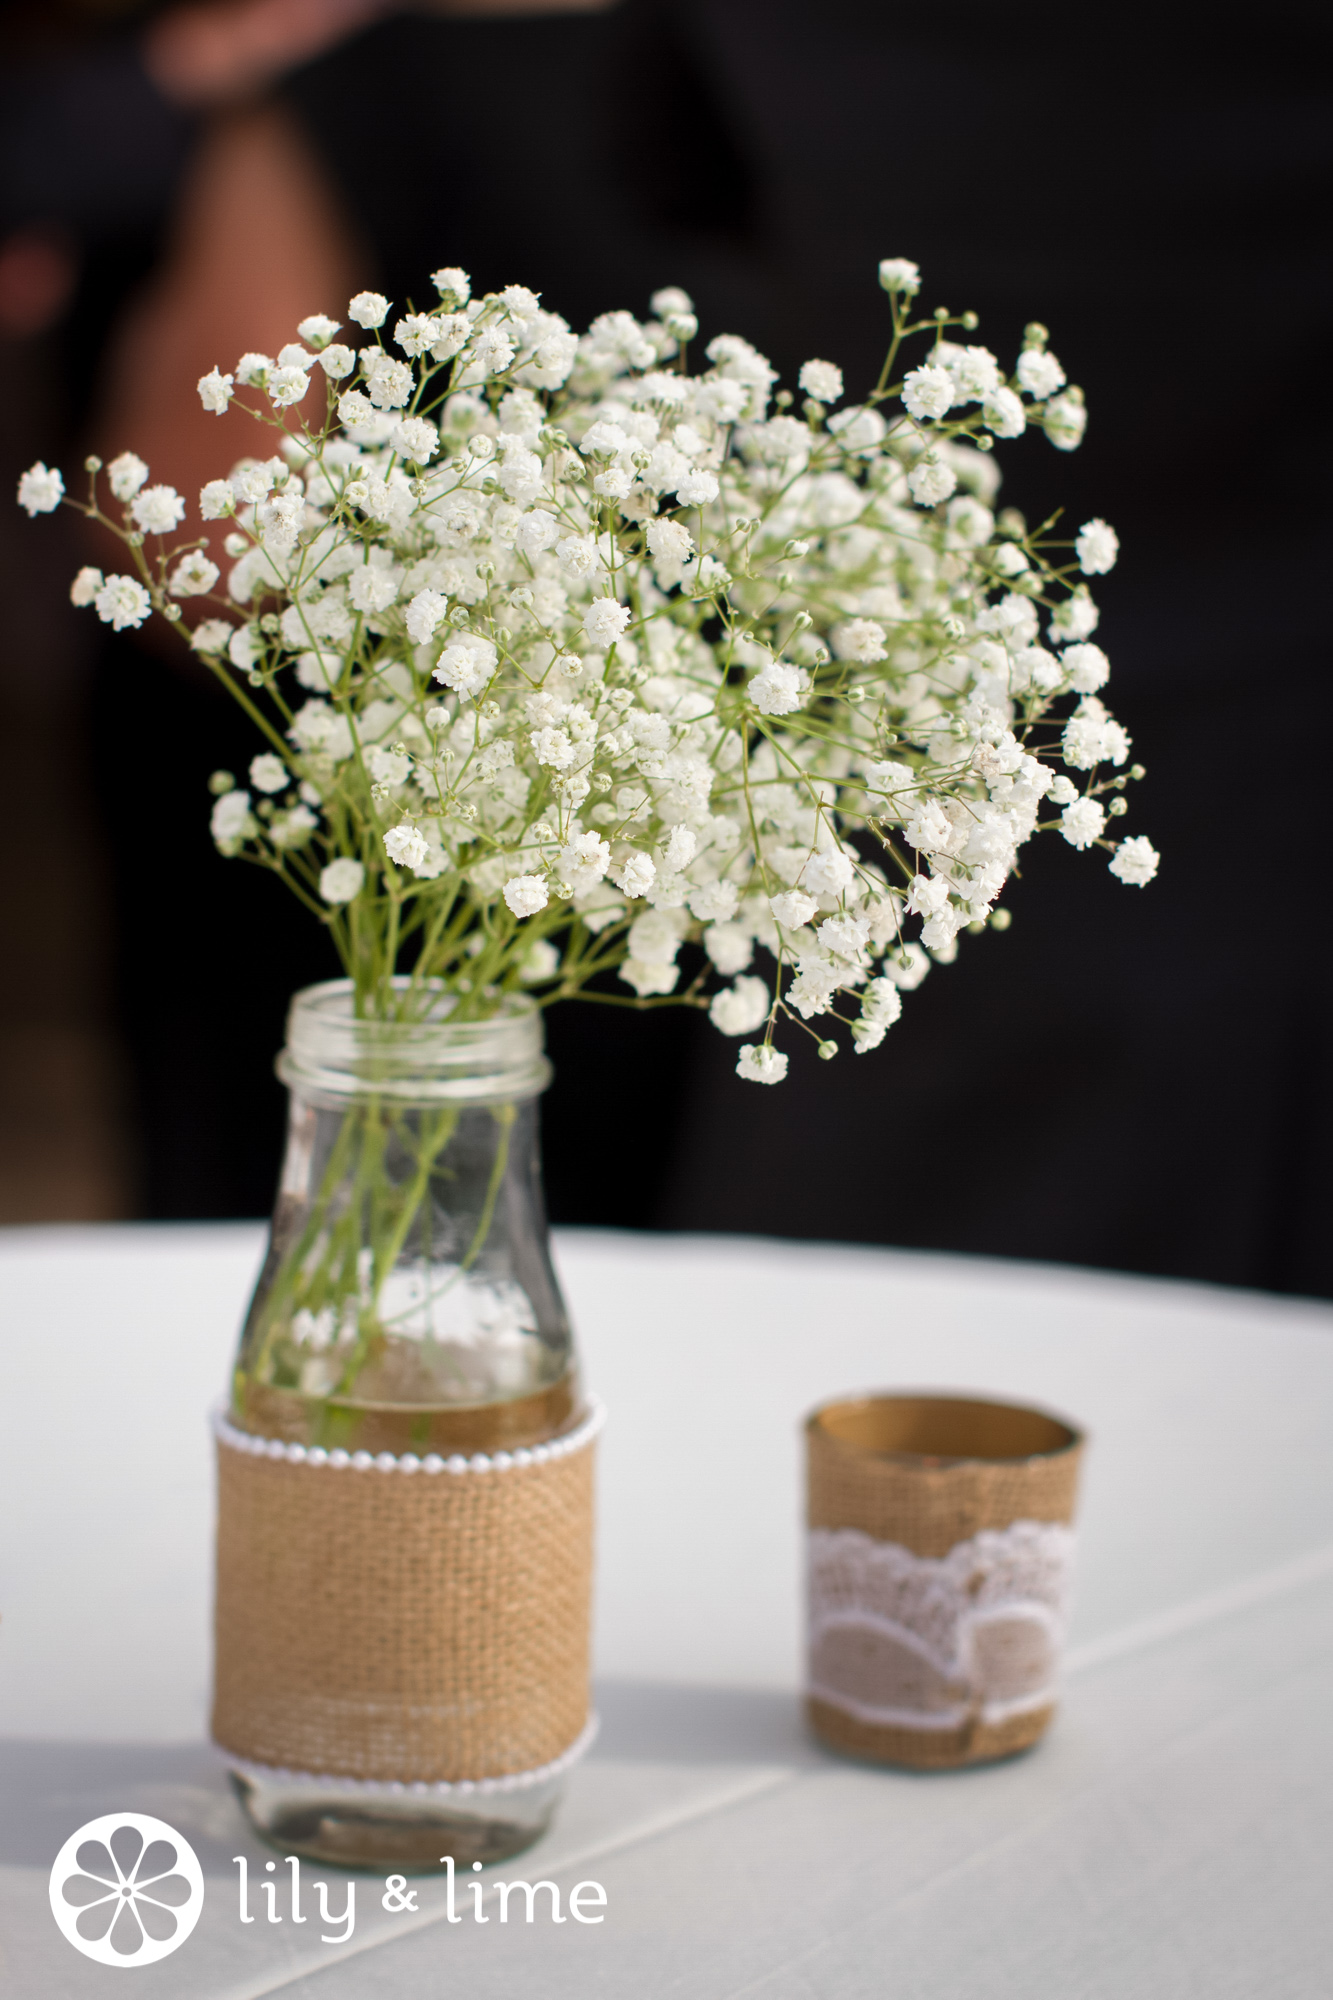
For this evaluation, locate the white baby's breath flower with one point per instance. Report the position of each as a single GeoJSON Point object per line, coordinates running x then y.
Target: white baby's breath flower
{"type": "Point", "coordinates": [193, 576]}
{"type": "Point", "coordinates": [1039, 373]}
{"type": "Point", "coordinates": [415, 439]}
{"type": "Point", "coordinates": [537, 530]}
{"type": "Point", "coordinates": [1092, 737]}
{"type": "Point", "coordinates": [929, 481]}
{"type": "Point", "coordinates": [216, 500]}
{"type": "Point", "coordinates": [698, 489]}
{"type": "Point", "coordinates": [387, 767]}
{"type": "Point", "coordinates": [122, 603]}
{"type": "Point", "coordinates": [828, 873]}
{"type": "Point", "coordinates": [778, 689]}
{"type": "Point", "coordinates": [368, 309]}
{"type": "Point", "coordinates": [405, 844]}
{"type": "Point", "coordinates": [286, 386]}
{"type": "Point", "coordinates": [975, 372]}
{"type": "Point", "coordinates": [740, 1009]}
{"type": "Point", "coordinates": [577, 556]}
{"type": "Point", "coordinates": [526, 894]}
{"type": "Point", "coordinates": [371, 588]}
{"type": "Point", "coordinates": [492, 352]}
{"type": "Point", "coordinates": [268, 773]}
{"type": "Point", "coordinates": [232, 821]}
{"type": "Point", "coordinates": [554, 747]}
{"type": "Point", "coordinates": [1096, 546]}
{"type": "Point", "coordinates": [41, 489]}
{"type": "Point", "coordinates": [1066, 419]}
{"type": "Point", "coordinates": [126, 475]}
{"type": "Point", "coordinates": [900, 274]}
{"type": "Point", "coordinates": [635, 875]}
{"type": "Point", "coordinates": [858, 429]}
{"type": "Point", "coordinates": [1077, 617]}
{"type": "Point", "coordinates": [426, 611]}
{"type": "Point", "coordinates": [453, 285]}
{"type": "Point", "coordinates": [416, 333]}
{"type": "Point", "coordinates": [1087, 668]}
{"type": "Point", "coordinates": [714, 902]}
{"type": "Point", "coordinates": [860, 639]}
{"type": "Point", "coordinates": [318, 329]}
{"type": "Point", "coordinates": [466, 664]}
{"type": "Point", "coordinates": [158, 509]}
{"type": "Point", "coordinates": [929, 830]}
{"type": "Point", "coordinates": [669, 541]}
{"type": "Point", "coordinates": [793, 908]}
{"type": "Point", "coordinates": [83, 591]}
{"type": "Point", "coordinates": [212, 636]}
{"type": "Point", "coordinates": [337, 361]}
{"type": "Point", "coordinates": [1003, 413]}
{"type": "Point", "coordinates": [882, 1002]}
{"type": "Point", "coordinates": [341, 880]}
{"type": "Point", "coordinates": [389, 383]}
{"type": "Point", "coordinates": [1082, 822]}
{"type": "Point", "coordinates": [845, 936]}
{"type": "Point", "coordinates": [729, 946]}
{"type": "Point", "coordinates": [216, 391]}
{"type": "Point", "coordinates": [1009, 559]}
{"type": "Point", "coordinates": [1135, 861]}
{"type": "Point", "coordinates": [764, 1064]}
{"type": "Point", "coordinates": [605, 621]}
{"type": "Point", "coordinates": [927, 392]}
{"type": "Point", "coordinates": [822, 381]}
{"type": "Point", "coordinates": [927, 895]}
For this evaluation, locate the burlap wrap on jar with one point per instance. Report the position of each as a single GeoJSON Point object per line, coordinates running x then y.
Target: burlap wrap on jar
{"type": "Point", "coordinates": [402, 1621]}
{"type": "Point", "coordinates": [940, 1562]}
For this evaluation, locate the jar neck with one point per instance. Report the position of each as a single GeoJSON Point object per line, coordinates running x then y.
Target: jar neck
{"type": "Point", "coordinates": [333, 1057]}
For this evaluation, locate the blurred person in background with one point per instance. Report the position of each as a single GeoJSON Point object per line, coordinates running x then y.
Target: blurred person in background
{"type": "Point", "coordinates": [1140, 1083]}
{"type": "Point", "coordinates": [571, 143]}
{"type": "Point", "coordinates": [101, 108]}
{"type": "Point", "coordinates": [89, 153]}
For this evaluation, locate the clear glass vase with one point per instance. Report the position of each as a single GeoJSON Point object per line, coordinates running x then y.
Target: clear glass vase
{"type": "Point", "coordinates": [407, 1304]}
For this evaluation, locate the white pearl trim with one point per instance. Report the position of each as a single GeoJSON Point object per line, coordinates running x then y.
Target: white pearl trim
{"type": "Point", "coordinates": [514, 1781]}
{"type": "Point", "coordinates": [363, 1461]}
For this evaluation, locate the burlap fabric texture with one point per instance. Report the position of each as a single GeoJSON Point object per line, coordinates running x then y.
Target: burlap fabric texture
{"type": "Point", "coordinates": [403, 1626]}
{"type": "Point", "coordinates": [929, 1473]}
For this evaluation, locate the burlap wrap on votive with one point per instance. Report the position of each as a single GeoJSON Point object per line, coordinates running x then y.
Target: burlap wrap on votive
{"type": "Point", "coordinates": [967, 1485]}
{"type": "Point", "coordinates": [402, 1626]}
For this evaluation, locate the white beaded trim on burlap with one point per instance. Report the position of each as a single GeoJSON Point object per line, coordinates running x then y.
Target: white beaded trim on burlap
{"type": "Point", "coordinates": [386, 1461]}
{"type": "Point", "coordinates": [515, 1781]}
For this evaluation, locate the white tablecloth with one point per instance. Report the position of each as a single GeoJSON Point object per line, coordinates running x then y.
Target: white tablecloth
{"type": "Point", "coordinates": [1171, 1838]}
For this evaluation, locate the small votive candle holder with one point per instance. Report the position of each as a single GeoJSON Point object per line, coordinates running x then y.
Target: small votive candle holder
{"type": "Point", "coordinates": [941, 1552]}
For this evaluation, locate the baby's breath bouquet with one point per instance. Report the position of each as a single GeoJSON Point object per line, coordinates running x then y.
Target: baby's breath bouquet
{"type": "Point", "coordinates": [569, 657]}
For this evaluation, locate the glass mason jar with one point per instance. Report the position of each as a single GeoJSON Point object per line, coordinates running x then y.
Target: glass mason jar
{"type": "Point", "coordinates": [407, 1304]}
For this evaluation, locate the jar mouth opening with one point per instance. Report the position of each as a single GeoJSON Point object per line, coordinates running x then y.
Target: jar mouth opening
{"type": "Point", "coordinates": [943, 1430]}
{"type": "Point", "coordinates": [426, 1057]}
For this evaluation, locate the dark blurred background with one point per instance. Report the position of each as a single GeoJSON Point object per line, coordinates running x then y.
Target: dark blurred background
{"type": "Point", "coordinates": [1136, 1080]}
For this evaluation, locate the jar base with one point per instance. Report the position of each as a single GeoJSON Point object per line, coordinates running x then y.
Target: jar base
{"type": "Point", "coordinates": [393, 1826]}
{"type": "Point", "coordinates": [974, 1742]}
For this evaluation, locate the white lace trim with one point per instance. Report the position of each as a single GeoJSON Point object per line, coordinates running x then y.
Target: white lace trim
{"type": "Point", "coordinates": [385, 1461]}
{"type": "Point", "coordinates": [514, 1781]}
{"type": "Point", "coordinates": [929, 1642]}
